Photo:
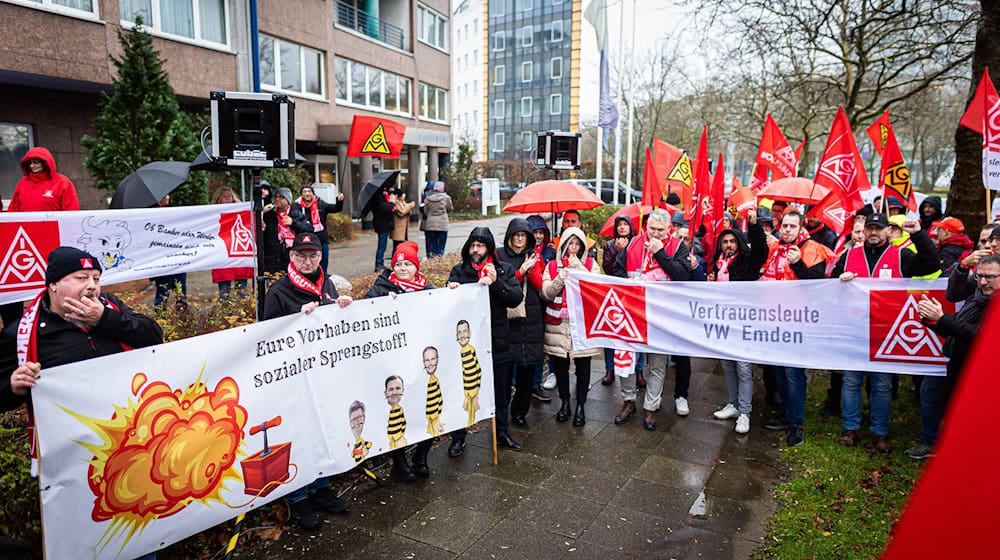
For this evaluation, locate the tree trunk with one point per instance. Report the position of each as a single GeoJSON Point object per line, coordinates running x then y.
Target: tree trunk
{"type": "Point", "coordinates": [967, 197]}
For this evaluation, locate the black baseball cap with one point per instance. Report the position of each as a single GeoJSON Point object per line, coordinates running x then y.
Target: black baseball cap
{"type": "Point", "coordinates": [306, 242]}
{"type": "Point", "coordinates": [877, 219]}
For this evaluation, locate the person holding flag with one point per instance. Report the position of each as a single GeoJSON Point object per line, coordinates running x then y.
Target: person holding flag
{"type": "Point", "coordinates": [878, 258]}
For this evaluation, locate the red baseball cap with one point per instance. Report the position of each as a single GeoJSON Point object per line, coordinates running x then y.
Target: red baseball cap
{"type": "Point", "coordinates": [953, 225]}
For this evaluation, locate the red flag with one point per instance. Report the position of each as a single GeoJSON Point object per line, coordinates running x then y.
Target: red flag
{"type": "Point", "coordinates": [375, 137]}
{"type": "Point", "coordinates": [673, 167]}
{"type": "Point", "coordinates": [716, 208]}
{"type": "Point", "coordinates": [759, 178]}
{"type": "Point", "coordinates": [958, 478]}
{"type": "Point", "coordinates": [651, 189]}
{"type": "Point", "coordinates": [798, 155]}
{"type": "Point", "coordinates": [702, 184]}
{"type": "Point", "coordinates": [975, 113]}
{"type": "Point", "coordinates": [895, 177]}
{"type": "Point", "coordinates": [774, 153]}
{"type": "Point", "coordinates": [741, 200]}
{"type": "Point", "coordinates": [841, 169]}
{"type": "Point", "coordinates": [878, 131]}
{"type": "Point", "coordinates": [830, 211]}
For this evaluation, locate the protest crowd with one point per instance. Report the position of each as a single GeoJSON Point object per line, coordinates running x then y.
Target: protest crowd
{"type": "Point", "coordinates": [533, 351]}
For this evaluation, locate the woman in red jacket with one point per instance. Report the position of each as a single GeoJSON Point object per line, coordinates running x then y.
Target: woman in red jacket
{"type": "Point", "coordinates": [224, 277]}
{"type": "Point", "coordinates": [42, 189]}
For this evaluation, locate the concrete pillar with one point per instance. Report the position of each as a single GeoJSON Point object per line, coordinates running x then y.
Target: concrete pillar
{"type": "Point", "coordinates": [432, 164]}
{"type": "Point", "coordinates": [413, 179]}
{"type": "Point", "coordinates": [366, 170]}
{"type": "Point", "coordinates": [344, 180]}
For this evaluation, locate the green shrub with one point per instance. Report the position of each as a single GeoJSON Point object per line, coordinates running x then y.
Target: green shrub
{"type": "Point", "coordinates": [20, 515]}
{"type": "Point", "coordinates": [340, 227]}
{"type": "Point", "coordinates": [593, 220]}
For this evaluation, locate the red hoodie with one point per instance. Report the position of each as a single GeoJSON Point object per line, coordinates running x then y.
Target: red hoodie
{"type": "Point", "coordinates": [45, 191]}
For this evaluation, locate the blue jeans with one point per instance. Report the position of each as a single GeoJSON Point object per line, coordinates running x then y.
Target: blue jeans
{"type": "Point", "coordinates": [435, 242]}
{"type": "Point", "coordinates": [609, 360]}
{"type": "Point", "coordinates": [225, 288]}
{"type": "Point", "coordinates": [383, 241]}
{"type": "Point", "coordinates": [933, 400]}
{"type": "Point", "coordinates": [311, 488]}
{"type": "Point", "coordinates": [792, 388]}
{"type": "Point", "coordinates": [325, 260]}
{"type": "Point", "coordinates": [879, 401]}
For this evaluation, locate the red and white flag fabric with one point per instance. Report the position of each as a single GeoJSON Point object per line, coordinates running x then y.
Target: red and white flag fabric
{"type": "Point", "coordinates": [376, 137]}
{"type": "Point", "coordinates": [841, 170]}
{"type": "Point", "coordinates": [673, 168]}
{"type": "Point", "coordinates": [715, 209]}
{"type": "Point", "coordinates": [774, 155]}
{"type": "Point", "coordinates": [983, 116]}
{"type": "Point", "coordinates": [652, 189]}
{"type": "Point", "coordinates": [694, 211]}
{"type": "Point", "coordinates": [878, 132]}
{"type": "Point", "coordinates": [894, 176]}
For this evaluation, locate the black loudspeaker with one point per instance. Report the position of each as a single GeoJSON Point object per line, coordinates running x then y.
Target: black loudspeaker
{"type": "Point", "coordinates": [253, 129]}
{"type": "Point", "coordinates": [558, 150]}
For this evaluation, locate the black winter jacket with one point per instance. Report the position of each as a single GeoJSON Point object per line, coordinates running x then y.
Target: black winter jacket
{"type": "Point", "coordinates": [676, 265]}
{"type": "Point", "coordinates": [610, 250]}
{"type": "Point", "coordinates": [383, 218]}
{"type": "Point", "coordinates": [275, 252]}
{"type": "Point", "coordinates": [60, 342]}
{"type": "Point", "coordinates": [283, 298]}
{"type": "Point", "coordinates": [325, 209]}
{"type": "Point", "coordinates": [960, 330]}
{"type": "Point", "coordinates": [383, 287]}
{"type": "Point", "coordinates": [504, 293]}
{"type": "Point", "coordinates": [751, 255]}
{"type": "Point", "coordinates": [526, 334]}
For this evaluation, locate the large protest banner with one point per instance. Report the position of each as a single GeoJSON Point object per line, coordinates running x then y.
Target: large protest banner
{"type": "Point", "coordinates": [131, 244]}
{"type": "Point", "coordinates": [144, 448]}
{"type": "Point", "coordinates": [864, 325]}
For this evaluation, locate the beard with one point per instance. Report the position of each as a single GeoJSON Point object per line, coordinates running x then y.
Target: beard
{"type": "Point", "coordinates": [477, 258]}
{"type": "Point", "coordinates": [728, 253]}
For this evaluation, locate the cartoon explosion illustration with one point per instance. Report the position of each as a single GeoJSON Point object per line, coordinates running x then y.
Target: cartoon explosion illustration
{"type": "Point", "coordinates": [163, 451]}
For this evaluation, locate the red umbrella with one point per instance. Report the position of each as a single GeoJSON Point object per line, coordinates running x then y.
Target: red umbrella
{"type": "Point", "coordinates": [552, 196]}
{"type": "Point", "coordinates": [632, 212]}
{"type": "Point", "coordinates": [794, 189]}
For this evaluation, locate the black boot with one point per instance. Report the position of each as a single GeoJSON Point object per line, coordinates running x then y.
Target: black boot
{"type": "Point", "coordinates": [419, 464]}
{"type": "Point", "coordinates": [401, 469]}
{"type": "Point", "coordinates": [563, 414]}
{"type": "Point", "coordinates": [580, 418]}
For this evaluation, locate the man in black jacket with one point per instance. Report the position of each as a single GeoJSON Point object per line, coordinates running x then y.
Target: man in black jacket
{"type": "Point", "coordinates": [315, 210]}
{"type": "Point", "coordinates": [527, 327]}
{"type": "Point", "coordinates": [960, 330]}
{"type": "Point", "coordinates": [69, 321]}
{"type": "Point", "coordinates": [282, 222]}
{"type": "Point", "coordinates": [383, 220]}
{"type": "Point", "coordinates": [304, 289]}
{"type": "Point", "coordinates": [481, 264]}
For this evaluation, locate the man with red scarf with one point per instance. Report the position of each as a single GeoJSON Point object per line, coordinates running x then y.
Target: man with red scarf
{"type": "Point", "coordinates": [794, 257]}
{"type": "Point", "coordinates": [879, 258]}
{"type": "Point", "coordinates": [315, 210]}
{"type": "Point", "coordinates": [281, 223]}
{"type": "Point", "coordinates": [304, 289]}
{"type": "Point", "coordinates": [654, 256]}
{"type": "Point", "coordinates": [481, 265]}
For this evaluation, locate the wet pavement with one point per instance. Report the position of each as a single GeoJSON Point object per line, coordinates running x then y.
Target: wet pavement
{"type": "Point", "coordinates": [692, 488]}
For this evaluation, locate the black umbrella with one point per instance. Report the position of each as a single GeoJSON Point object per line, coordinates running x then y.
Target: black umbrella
{"type": "Point", "coordinates": [145, 187]}
{"type": "Point", "coordinates": [373, 187]}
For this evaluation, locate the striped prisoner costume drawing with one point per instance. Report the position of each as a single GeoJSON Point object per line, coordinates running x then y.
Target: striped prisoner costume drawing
{"type": "Point", "coordinates": [435, 404]}
{"type": "Point", "coordinates": [472, 375]}
{"type": "Point", "coordinates": [397, 427]}
{"type": "Point", "coordinates": [360, 450]}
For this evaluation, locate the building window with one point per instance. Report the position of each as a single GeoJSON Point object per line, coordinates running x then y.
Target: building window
{"type": "Point", "coordinates": [433, 103]}
{"type": "Point", "coordinates": [498, 142]}
{"type": "Point", "coordinates": [15, 140]}
{"type": "Point", "coordinates": [525, 106]}
{"type": "Point", "coordinates": [432, 27]}
{"type": "Point", "coordinates": [555, 104]}
{"type": "Point", "coordinates": [497, 7]}
{"type": "Point", "coordinates": [527, 69]}
{"type": "Point", "coordinates": [557, 67]}
{"type": "Point", "coordinates": [290, 67]}
{"type": "Point", "coordinates": [499, 75]}
{"type": "Point", "coordinates": [555, 34]}
{"type": "Point", "coordinates": [527, 143]}
{"type": "Point", "coordinates": [527, 36]}
{"type": "Point", "coordinates": [75, 7]}
{"type": "Point", "coordinates": [365, 86]}
{"type": "Point", "coordinates": [499, 109]}
{"type": "Point", "coordinates": [199, 20]}
{"type": "Point", "coordinates": [527, 5]}
{"type": "Point", "coordinates": [499, 42]}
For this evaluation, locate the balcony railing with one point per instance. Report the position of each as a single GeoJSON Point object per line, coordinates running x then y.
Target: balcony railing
{"type": "Point", "coordinates": [352, 18]}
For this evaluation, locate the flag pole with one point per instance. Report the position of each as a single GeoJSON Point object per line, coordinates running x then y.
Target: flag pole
{"type": "Point", "coordinates": [631, 112]}
{"type": "Point", "coordinates": [618, 128]}
{"type": "Point", "coordinates": [989, 205]}
{"type": "Point", "coordinates": [600, 150]}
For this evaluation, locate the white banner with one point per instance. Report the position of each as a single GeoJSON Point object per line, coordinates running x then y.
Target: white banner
{"type": "Point", "coordinates": [863, 325]}
{"type": "Point", "coordinates": [172, 442]}
{"type": "Point", "coordinates": [130, 244]}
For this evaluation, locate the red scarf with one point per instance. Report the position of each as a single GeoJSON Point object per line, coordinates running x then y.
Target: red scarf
{"type": "Point", "coordinates": [419, 282]}
{"type": "Point", "coordinates": [306, 285]}
{"type": "Point", "coordinates": [27, 351]}
{"type": "Point", "coordinates": [285, 233]}
{"type": "Point", "coordinates": [722, 267]}
{"type": "Point", "coordinates": [480, 268]}
{"type": "Point", "coordinates": [313, 212]}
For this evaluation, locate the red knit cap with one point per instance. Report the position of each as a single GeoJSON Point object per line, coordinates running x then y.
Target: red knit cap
{"type": "Point", "coordinates": [407, 251]}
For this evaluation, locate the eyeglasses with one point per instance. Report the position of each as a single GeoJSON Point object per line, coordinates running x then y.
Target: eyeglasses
{"type": "Point", "coordinates": [987, 277]}
{"type": "Point", "coordinates": [307, 256]}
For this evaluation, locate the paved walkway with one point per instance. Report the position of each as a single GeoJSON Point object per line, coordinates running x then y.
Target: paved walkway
{"type": "Point", "coordinates": [601, 491]}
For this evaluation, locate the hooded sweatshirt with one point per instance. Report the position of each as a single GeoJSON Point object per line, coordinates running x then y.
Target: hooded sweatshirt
{"type": "Point", "coordinates": [558, 341]}
{"type": "Point", "coordinates": [926, 221]}
{"type": "Point", "coordinates": [526, 325]}
{"type": "Point", "coordinates": [42, 192]}
{"type": "Point", "coordinates": [750, 256]}
{"type": "Point", "coordinates": [537, 222]}
{"type": "Point", "coordinates": [610, 250]}
{"type": "Point", "coordinates": [505, 292]}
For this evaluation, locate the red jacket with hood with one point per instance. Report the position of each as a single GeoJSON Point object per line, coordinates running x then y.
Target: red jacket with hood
{"type": "Point", "coordinates": [45, 191]}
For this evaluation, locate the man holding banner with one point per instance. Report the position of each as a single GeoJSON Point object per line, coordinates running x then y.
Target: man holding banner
{"type": "Point", "coordinates": [878, 258]}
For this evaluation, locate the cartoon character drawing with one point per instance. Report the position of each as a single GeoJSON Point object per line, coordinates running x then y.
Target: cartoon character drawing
{"type": "Point", "coordinates": [472, 373]}
{"type": "Point", "coordinates": [434, 400]}
{"type": "Point", "coordinates": [108, 240]}
{"type": "Point", "coordinates": [397, 420]}
{"type": "Point", "coordinates": [356, 415]}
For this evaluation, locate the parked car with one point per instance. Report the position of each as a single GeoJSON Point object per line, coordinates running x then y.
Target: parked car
{"type": "Point", "coordinates": [507, 190]}
{"type": "Point", "coordinates": [608, 190]}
